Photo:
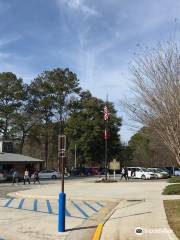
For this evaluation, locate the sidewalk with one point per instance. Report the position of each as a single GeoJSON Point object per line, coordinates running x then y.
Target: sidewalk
{"type": "Point", "coordinates": [148, 215]}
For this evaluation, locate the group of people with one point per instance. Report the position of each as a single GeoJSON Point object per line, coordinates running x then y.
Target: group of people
{"type": "Point", "coordinates": [26, 176]}
{"type": "Point", "coordinates": [124, 173]}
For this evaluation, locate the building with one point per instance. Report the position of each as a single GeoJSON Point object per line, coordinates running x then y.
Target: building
{"type": "Point", "coordinates": [10, 160]}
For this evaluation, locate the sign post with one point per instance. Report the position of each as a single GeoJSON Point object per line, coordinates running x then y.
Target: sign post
{"type": "Point", "coordinates": [62, 195]}
{"type": "Point", "coordinates": [114, 165]}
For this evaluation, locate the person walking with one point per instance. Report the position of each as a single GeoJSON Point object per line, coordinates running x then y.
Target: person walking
{"type": "Point", "coordinates": [126, 173]}
{"type": "Point", "coordinates": [36, 176]}
{"type": "Point", "coordinates": [123, 173]}
{"type": "Point", "coordinates": [26, 176]}
{"type": "Point", "coordinates": [133, 173]}
{"type": "Point", "coordinates": [14, 176]}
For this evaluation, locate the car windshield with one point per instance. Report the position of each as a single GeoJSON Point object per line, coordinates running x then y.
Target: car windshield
{"type": "Point", "coordinates": [160, 170]}
{"type": "Point", "coordinates": [145, 170]}
{"type": "Point", "coordinates": [152, 170]}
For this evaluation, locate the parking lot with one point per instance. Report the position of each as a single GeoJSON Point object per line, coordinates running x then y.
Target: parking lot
{"type": "Point", "coordinates": [74, 209]}
{"type": "Point", "coordinates": [31, 210]}
{"type": "Point", "coordinates": [36, 218]}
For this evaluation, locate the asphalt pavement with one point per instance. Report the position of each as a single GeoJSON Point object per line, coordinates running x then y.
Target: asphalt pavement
{"type": "Point", "coordinates": [31, 210]}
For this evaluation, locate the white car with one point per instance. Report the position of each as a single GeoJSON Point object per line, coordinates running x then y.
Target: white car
{"type": "Point", "coordinates": [177, 172]}
{"type": "Point", "coordinates": [47, 174]}
{"type": "Point", "coordinates": [140, 172]}
{"type": "Point", "coordinates": [159, 173]}
{"type": "Point", "coordinates": [2, 176]}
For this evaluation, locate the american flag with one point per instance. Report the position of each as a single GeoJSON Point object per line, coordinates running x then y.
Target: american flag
{"type": "Point", "coordinates": [106, 113]}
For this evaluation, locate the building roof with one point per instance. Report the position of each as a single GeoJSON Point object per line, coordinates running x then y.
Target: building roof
{"type": "Point", "coordinates": [17, 158]}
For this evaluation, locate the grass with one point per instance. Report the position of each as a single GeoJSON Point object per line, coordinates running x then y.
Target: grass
{"type": "Point", "coordinates": [174, 179]}
{"type": "Point", "coordinates": [173, 189]}
{"type": "Point", "coordinates": [172, 208]}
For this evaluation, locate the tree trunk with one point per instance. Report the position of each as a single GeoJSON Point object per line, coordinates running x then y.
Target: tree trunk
{"type": "Point", "coordinates": [178, 159]}
{"type": "Point", "coordinates": [6, 130]}
{"type": "Point", "coordinates": [22, 144]}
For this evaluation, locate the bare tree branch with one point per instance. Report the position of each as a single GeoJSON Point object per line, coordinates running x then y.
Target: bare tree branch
{"type": "Point", "coordinates": [156, 102]}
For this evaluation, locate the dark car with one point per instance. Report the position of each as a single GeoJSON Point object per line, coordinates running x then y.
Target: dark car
{"type": "Point", "coordinates": [19, 176]}
{"type": "Point", "coordinates": [95, 170]}
{"type": "Point", "coordinates": [80, 172]}
{"type": "Point", "coordinates": [110, 171]}
{"type": "Point", "coordinates": [87, 171]}
{"type": "Point", "coordinates": [170, 170]}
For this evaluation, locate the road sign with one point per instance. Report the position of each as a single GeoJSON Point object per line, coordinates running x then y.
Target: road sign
{"type": "Point", "coordinates": [62, 143]}
{"type": "Point", "coordinates": [62, 154]}
{"type": "Point", "coordinates": [114, 165]}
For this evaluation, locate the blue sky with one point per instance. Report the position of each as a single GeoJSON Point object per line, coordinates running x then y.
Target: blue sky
{"type": "Point", "coordinates": [97, 39]}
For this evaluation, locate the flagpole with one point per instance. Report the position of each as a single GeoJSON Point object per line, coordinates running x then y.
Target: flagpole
{"type": "Point", "coordinates": [106, 116]}
{"type": "Point", "coordinates": [106, 147]}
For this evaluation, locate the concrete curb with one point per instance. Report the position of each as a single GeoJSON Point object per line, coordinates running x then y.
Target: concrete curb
{"type": "Point", "coordinates": [98, 232]}
{"type": "Point", "coordinates": [87, 229]}
{"type": "Point", "coordinates": [99, 229]}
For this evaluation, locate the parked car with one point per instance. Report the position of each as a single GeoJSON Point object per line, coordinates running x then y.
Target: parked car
{"type": "Point", "coordinates": [140, 172]}
{"type": "Point", "coordinates": [95, 171]}
{"type": "Point", "coordinates": [111, 171]}
{"type": "Point", "coordinates": [2, 176]}
{"type": "Point", "coordinates": [48, 174]}
{"type": "Point", "coordinates": [103, 171]}
{"type": "Point", "coordinates": [164, 170]}
{"type": "Point", "coordinates": [80, 172]}
{"type": "Point", "coordinates": [75, 172]}
{"type": "Point", "coordinates": [170, 170]}
{"type": "Point", "coordinates": [87, 171]}
{"type": "Point", "coordinates": [177, 172]}
{"type": "Point", "coordinates": [19, 176]}
{"type": "Point", "coordinates": [159, 173]}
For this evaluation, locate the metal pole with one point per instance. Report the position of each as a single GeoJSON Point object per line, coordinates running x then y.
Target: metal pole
{"type": "Point", "coordinates": [62, 170]}
{"type": "Point", "coordinates": [106, 157]}
{"type": "Point", "coordinates": [106, 139]}
{"type": "Point", "coordinates": [62, 195]}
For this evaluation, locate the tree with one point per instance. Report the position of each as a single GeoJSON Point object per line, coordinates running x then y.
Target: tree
{"type": "Point", "coordinates": [85, 129]}
{"type": "Point", "coordinates": [156, 102]}
{"type": "Point", "coordinates": [125, 155]}
{"type": "Point", "coordinates": [141, 151]}
{"type": "Point", "coordinates": [24, 119]}
{"type": "Point", "coordinates": [43, 101]}
{"type": "Point", "coordinates": [12, 94]}
{"type": "Point", "coordinates": [65, 88]}
{"type": "Point", "coordinates": [148, 150]}
{"type": "Point", "coordinates": [54, 97]}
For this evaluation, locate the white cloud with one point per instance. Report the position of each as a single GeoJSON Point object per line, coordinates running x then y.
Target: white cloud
{"type": "Point", "coordinates": [7, 40]}
{"type": "Point", "coordinates": [79, 5]}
